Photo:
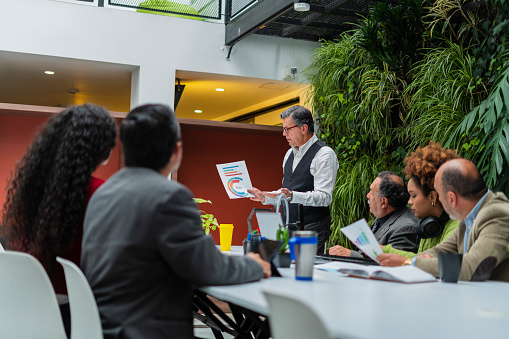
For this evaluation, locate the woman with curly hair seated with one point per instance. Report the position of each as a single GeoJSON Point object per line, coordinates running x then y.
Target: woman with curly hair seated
{"type": "Point", "coordinates": [51, 186]}
{"type": "Point", "coordinates": [434, 225]}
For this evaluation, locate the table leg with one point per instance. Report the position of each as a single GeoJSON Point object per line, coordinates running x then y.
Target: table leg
{"type": "Point", "coordinates": [212, 316]}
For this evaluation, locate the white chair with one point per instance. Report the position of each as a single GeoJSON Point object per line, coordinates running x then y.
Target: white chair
{"type": "Point", "coordinates": [290, 318]}
{"type": "Point", "coordinates": [28, 305]}
{"type": "Point", "coordinates": [85, 319]}
{"type": "Point", "coordinates": [1, 248]}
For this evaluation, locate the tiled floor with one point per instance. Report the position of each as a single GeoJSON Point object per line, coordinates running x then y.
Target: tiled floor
{"type": "Point", "coordinates": [203, 331]}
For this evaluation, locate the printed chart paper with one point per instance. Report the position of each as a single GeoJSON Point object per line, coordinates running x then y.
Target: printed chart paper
{"type": "Point", "coordinates": [235, 179]}
{"type": "Point", "coordinates": [361, 235]}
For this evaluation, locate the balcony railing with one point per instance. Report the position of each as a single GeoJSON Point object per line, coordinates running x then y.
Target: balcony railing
{"type": "Point", "coordinates": [235, 7]}
{"type": "Point", "coordinates": [198, 9]}
{"type": "Point", "coordinates": [210, 9]}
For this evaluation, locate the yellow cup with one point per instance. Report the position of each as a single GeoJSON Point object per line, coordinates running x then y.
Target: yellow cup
{"type": "Point", "coordinates": [225, 235]}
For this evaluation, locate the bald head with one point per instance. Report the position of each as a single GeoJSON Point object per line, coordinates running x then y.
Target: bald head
{"type": "Point", "coordinates": [462, 177]}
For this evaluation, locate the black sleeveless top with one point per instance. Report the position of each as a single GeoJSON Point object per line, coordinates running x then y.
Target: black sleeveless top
{"type": "Point", "coordinates": [301, 180]}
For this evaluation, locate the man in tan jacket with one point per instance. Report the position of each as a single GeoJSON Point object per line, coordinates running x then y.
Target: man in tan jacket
{"type": "Point", "coordinates": [482, 235]}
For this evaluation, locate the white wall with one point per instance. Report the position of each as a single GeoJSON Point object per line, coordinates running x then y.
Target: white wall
{"type": "Point", "coordinates": [158, 45]}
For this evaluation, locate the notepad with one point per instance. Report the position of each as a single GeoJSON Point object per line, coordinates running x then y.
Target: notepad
{"type": "Point", "coordinates": [402, 274]}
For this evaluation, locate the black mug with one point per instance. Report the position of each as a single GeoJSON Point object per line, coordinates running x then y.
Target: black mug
{"type": "Point", "coordinates": [450, 266]}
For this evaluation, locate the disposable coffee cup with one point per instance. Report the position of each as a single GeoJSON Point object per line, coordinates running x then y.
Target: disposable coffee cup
{"type": "Point", "coordinates": [225, 236]}
{"type": "Point", "coordinates": [449, 265]}
{"type": "Point", "coordinates": [303, 250]}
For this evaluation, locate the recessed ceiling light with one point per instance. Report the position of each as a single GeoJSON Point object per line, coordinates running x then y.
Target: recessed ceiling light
{"type": "Point", "coordinates": [220, 89]}
{"type": "Point", "coordinates": [49, 72]}
{"type": "Point", "coordinates": [198, 111]}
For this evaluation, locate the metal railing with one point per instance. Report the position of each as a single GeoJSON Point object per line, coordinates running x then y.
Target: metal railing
{"type": "Point", "coordinates": [210, 9]}
{"type": "Point", "coordinates": [235, 7]}
{"type": "Point", "coordinates": [206, 9]}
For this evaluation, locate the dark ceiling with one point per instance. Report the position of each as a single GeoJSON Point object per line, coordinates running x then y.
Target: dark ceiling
{"type": "Point", "coordinates": [326, 19]}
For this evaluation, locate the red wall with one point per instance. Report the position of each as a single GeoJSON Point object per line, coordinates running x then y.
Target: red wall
{"type": "Point", "coordinates": [205, 145]}
{"type": "Point", "coordinates": [17, 133]}
{"type": "Point", "coordinates": [203, 149]}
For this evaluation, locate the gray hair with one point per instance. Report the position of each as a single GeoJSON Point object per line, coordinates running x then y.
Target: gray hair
{"type": "Point", "coordinates": [300, 116]}
{"type": "Point", "coordinates": [395, 192]}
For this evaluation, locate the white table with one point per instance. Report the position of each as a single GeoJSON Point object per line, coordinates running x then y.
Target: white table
{"type": "Point", "coordinates": [234, 250]}
{"type": "Point", "coordinates": [360, 308]}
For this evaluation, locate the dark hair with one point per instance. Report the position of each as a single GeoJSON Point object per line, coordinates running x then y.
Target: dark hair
{"type": "Point", "coordinates": [149, 134]}
{"type": "Point", "coordinates": [395, 192]}
{"type": "Point", "coordinates": [46, 198]}
{"type": "Point", "coordinates": [300, 116]}
{"type": "Point", "coordinates": [470, 186]}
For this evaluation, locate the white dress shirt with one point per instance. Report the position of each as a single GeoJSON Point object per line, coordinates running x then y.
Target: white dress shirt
{"type": "Point", "coordinates": [323, 168]}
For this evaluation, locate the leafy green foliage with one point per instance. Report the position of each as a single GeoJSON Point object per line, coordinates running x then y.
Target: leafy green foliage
{"type": "Point", "coordinates": [208, 221]}
{"type": "Point", "coordinates": [391, 34]}
{"type": "Point", "coordinates": [379, 108]}
{"type": "Point", "coordinates": [443, 12]}
{"type": "Point", "coordinates": [283, 235]}
{"type": "Point", "coordinates": [409, 74]}
{"type": "Point", "coordinates": [482, 27]}
{"type": "Point", "coordinates": [357, 92]}
{"type": "Point", "coordinates": [443, 91]}
{"type": "Point", "coordinates": [486, 129]}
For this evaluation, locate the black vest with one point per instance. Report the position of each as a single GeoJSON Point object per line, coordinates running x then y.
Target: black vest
{"type": "Point", "coordinates": [301, 180]}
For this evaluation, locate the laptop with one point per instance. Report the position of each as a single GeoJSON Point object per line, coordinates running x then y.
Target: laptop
{"type": "Point", "coordinates": [268, 223]}
{"type": "Point", "coordinates": [325, 258]}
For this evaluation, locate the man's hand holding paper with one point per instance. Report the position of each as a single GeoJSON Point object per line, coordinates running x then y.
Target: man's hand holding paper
{"type": "Point", "coordinates": [361, 235]}
{"type": "Point", "coordinates": [235, 179]}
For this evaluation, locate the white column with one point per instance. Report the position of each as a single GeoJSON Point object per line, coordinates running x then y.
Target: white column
{"type": "Point", "coordinates": [153, 83]}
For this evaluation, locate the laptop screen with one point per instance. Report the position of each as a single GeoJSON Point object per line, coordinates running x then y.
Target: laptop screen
{"type": "Point", "coordinates": [269, 223]}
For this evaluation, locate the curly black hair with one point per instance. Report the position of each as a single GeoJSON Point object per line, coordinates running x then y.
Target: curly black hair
{"type": "Point", "coordinates": [393, 187]}
{"type": "Point", "coordinates": [46, 196]}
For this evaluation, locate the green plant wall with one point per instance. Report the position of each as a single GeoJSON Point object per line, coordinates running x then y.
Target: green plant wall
{"type": "Point", "coordinates": [412, 72]}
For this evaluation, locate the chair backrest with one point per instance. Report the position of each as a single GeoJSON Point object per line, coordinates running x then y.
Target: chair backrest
{"type": "Point", "coordinates": [85, 319]}
{"type": "Point", "coordinates": [291, 318]}
{"type": "Point", "coordinates": [28, 304]}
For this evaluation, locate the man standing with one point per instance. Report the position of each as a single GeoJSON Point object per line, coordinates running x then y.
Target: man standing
{"type": "Point", "coordinates": [394, 223]}
{"type": "Point", "coordinates": [143, 245]}
{"type": "Point", "coordinates": [482, 235]}
{"type": "Point", "coordinates": [309, 174]}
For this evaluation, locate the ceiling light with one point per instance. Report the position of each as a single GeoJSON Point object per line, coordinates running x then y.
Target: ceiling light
{"type": "Point", "coordinates": [198, 111]}
{"type": "Point", "coordinates": [220, 89]}
{"type": "Point", "coordinates": [49, 72]}
{"type": "Point", "coordinates": [301, 6]}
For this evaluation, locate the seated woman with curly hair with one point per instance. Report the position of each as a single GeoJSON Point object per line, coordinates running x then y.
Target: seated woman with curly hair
{"type": "Point", "coordinates": [434, 225]}
{"type": "Point", "coordinates": [51, 186]}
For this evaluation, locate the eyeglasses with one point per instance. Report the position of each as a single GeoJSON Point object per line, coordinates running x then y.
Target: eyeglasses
{"type": "Point", "coordinates": [286, 129]}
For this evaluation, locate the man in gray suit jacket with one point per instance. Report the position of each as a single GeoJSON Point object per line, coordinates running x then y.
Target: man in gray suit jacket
{"type": "Point", "coordinates": [143, 245]}
{"type": "Point", "coordinates": [482, 235]}
{"type": "Point", "coordinates": [394, 222]}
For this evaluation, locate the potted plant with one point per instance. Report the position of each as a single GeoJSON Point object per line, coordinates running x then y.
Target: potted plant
{"type": "Point", "coordinates": [208, 221]}
{"type": "Point", "coordinates": [282, 258]}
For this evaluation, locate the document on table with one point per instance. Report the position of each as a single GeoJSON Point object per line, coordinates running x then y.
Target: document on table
{"type": "Point", "coordinates": [402, 274]}
{"type": "Point", "coordinates": [235, 179]}
{"type": "Point", "coordinates": [361, 235]}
